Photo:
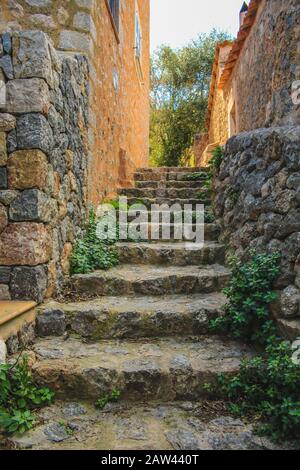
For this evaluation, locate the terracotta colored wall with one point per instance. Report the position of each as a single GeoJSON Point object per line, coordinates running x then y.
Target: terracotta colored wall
{"type": "Point", "coordinates": [119, 108]}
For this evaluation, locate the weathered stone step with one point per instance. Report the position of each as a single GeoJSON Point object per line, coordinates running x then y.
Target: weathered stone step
{"type": "Point", "coordinates": [171, 254]}
{"type": "Point", "coordinates": [170, 176]}
{"type": "Point", "coordinates": [152, 216]}
{"type": "Point", "coordinates": [170, 184]}
{"type": "Point", "coordinates": [171, 169]}
{"type": "Point", "coordinates": [162, 369]}
{"type": "Point", "coordinates": [149, 202]}
{"type": "Point", "coordinates": [128, 317]}
{"type": "Point", "coordinates": [170, 193]}
{"type": "Point", "coordinates": [151, 280]}
{"type": "Point", "coordinates": [211, 232]}
{"type": "Point", "coordinates": [123, 426]}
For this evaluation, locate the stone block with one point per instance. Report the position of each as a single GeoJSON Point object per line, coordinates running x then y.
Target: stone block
{"type": "Point", "coordinates": [7, 122]}
{"type": "Point", "coordinates": [25, 244]}
{"type": "Point", "coordinates": [3, 352]}
{"type": "Point", "coordinates": [290, 302]}
{"type": "Point", "coordinates": [31, 56]}
{"type": "Point", "coordinates": [5, 272]}
{"type": "Point", "coordinates": [52, 322]}
{"type": "Point", "coordinates": [34, 132]}
{"type": "Point", "coordinates": [33, 205]}
{"type": "Point", "coordinates": [7, 197]}
{"type": "Point", "coordinates": [3, 149]}
{"type": "Point", "coordinates": [39, 3]}
{"type": "Point", "coordinates": [74, 41]}
{"type": "Point", "coordinates": [3, 178]}
{"type": "Point", "coordinates": [3, 217]}
{"type": "Point", "coordinates": [43, 21]}
{"type": "Point", "coordinates": [4, 292]}
{"type": "Point", "coordinates": [27, 169]}
{"type": "Point", "coordinates": [7, 67]}
{"type": "Point", "coordinates": [29, 283]}
{"type": "Point", "coordinates": [27, 96]}
{"type": "Point", "coordinates": [85, 3]}
{"type": "Point", "coordinates": [6, 42]}
{"type": "Point", "coordinates": [84, 21]}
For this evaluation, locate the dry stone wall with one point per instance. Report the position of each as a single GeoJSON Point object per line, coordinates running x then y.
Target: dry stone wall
{"type": "Point", "coordinates": [43, 163]}
{"type": "Point", "coordinates": [257, 201]}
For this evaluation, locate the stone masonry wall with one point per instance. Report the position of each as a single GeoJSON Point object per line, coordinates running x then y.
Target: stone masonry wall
{"type": "Point", "coordinates": [257, 202]}
{"type": "Point", "coordinates": [43, 163]}
{"type": "Point", "coordinates": [268, 65]}
{"type": "Point", "coordinates": [119, 98]}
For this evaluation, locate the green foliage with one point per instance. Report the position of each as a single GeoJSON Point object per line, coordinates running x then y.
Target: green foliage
{"type": "Point", "coordinates": [19, 396]}
{"type": "Point", "coordinates": [233, 195]}
{"type": "Point", "coordinates": [91, 253]}
{"type": "Point", "coordinates": [217, 159]}
{"type": "Point", "coordinates": [267, 386]}
{"type": "Point", "coordinates": [249, 295]}
{"type": "Point", "coordinates": [102, 402]}
{"type": "Point", "coordinates": [180, 80]}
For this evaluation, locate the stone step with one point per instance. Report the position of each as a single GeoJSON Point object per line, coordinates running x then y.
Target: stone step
{"type": "Point", "coordinates": [124, 426]}
{"type": "Point", "coordinates": [151, 280]}
{"type": "Point", "coordinates": [149, 216]}
{"type": "Point", "coordinates": [171, 169]}
{"type": "Point", "coordinates": [170, 184]}
{"type": "Point", "coordinates": [171, 254]}
{"type": "Point", "coordinates": [16, 320]}
{"type": "Point", "coordinates": [170, 176]}
{"type": "Point", "coordinates": [128, 317]}
{"type": "Point", "coordinates": [170, 193]}
{"type": "Point", "coordinates": [149, 202]}
{"type": "Point", "coordinates": [211, 232]}
{"type": "Point", "coordinates": [160, 369]}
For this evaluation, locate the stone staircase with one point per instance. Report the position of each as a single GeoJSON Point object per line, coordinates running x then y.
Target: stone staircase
{"type": "Point", "coordinates": [141, 328]}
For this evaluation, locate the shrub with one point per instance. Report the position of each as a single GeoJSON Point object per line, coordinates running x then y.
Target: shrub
{"type": "Point", "coordinates": [267, 386]}
{"type": "Point", "coordinates": [19, 396]}
{"type": "Point", "coordinates": [217, 159]}
{"type": "Point", "coordinates": [249, 295]}
{"type": "Point", "coordinates": [91, 253]}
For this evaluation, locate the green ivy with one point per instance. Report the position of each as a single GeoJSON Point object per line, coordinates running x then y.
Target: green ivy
{"type": "Point", "coordinates": [19, 396]}
{"type": "Point", "coordinates": [217, 159]}
{"type": "Point", "coordinates": [249, 295]}
{"type": "Point", "coordinates": [267, 387]}
{"type": "Point", "coordinates": [91, 253]}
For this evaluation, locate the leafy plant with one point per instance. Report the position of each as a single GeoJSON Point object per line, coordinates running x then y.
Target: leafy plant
{"type": "Point", "coordinates": [267, 386]}
{"type": "Point", "coordinates": [92, 253]}
{"type": "Point", "coordinates": [249, 295]}
{"type": "Point", "coordinates": [19, 396]}
{"type": "Point", "coordinates": [102, 402]}
{"type": "Point", "coordinates": [217, 159]}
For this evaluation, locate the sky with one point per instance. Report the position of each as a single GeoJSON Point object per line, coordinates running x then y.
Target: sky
{"type": "Point", "coordinates": [176, 22]}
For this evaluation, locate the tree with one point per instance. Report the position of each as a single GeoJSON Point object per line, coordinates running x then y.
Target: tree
{"type": "Point", "coordinates": [180, 81]}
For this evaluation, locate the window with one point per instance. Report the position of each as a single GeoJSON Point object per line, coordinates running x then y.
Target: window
{"type": "Point", "coordinates": [114, 6]}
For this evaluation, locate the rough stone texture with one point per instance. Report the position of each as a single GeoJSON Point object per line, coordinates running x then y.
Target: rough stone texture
{"type": "Point", "coordinates": [3, 352]}
{"type": "Point", "coordinates": [24, 244]}
{"type": "Point", "coordinates": [4, 292]}
{"type": "Point", "coordinates": [43, 159]}
{"type": "Point", "coordinates": [27, 169]}
{"type": "Point", "coordinates": [51, 323]}
{"type": "Point", "coordinates": [261, 169]}
{"type": "Point", "coordinates": [184, 426]}
{"type": "Point", "coordinates": [3, 149]}
{"type": "Point", "coordinates": [29, 283]}
{"type": "Point", "coordinates": [7, 122]}
{"type": "Point", "coordinates": [141, 370]}
{"type": "Point", "coordinates": [27, 96]}
{"type": "Point", "coordinates": [75, 41]}
{"type": "Point", "coordinates": [31, 56]}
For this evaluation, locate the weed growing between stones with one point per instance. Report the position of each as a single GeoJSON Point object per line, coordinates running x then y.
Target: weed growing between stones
{"type": "Point", "coordinates": [217, 159]}
{"type": "Point", "coordinates": [267, 387]}
{"type": "Point", "coordinates": [196, 176]}
{"type": "Point", "coordinates": [113, 397]}
{"type": "Point", "coordinates": [91, 253]}
{"type": "Point", "coordinates": [19, 396]}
